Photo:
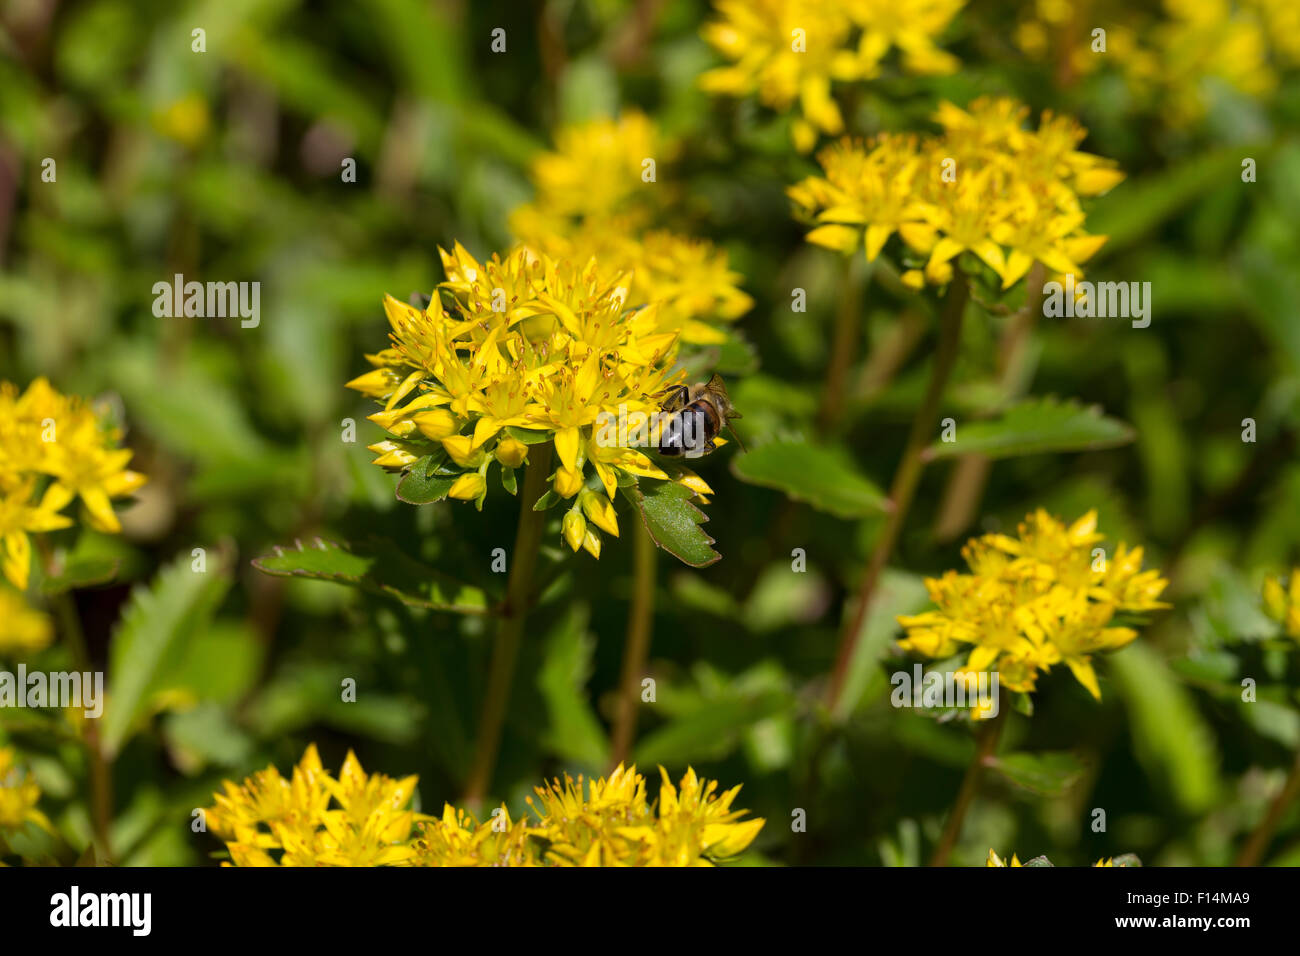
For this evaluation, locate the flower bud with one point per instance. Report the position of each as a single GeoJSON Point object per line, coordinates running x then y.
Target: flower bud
{"type": "Point", "coordinates": [511, 452]}
{"type": "Point", "coordinates": [600, 511]}
{"type": "Point", "coordinates": [575, 529]}
{"type": "Point", "coordinates": [468, 486]}
{"type": "Point", "coordinates": [568, 482]}
{"type": "Point", "coordinates": [435, 423]}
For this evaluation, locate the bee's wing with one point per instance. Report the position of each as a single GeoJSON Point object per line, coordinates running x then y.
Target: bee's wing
{"type": "Point", "coordinates": [718, 387]}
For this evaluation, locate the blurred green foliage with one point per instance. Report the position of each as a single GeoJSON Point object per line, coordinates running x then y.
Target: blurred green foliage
{"type": "Point", "coordinates": [226, 166]}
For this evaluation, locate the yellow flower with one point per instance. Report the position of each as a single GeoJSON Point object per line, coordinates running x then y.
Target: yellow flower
{"type": "Point", "coordinates": [689, 280]}
{"type": "Point", "coordinates": [909, 25]}
{"type": "Point", "coordinates": [1283, 603]}
{"type": "Point", "coordinates": [19, 795]}
{"type": "Point", "coordinates": [314, 819]}
{"type": "Point", "coordinates": [21, 516]}
{"type": "Point", "coordinates": [790, 51]}
{"type": "Point", "coordinates": [361, 820]}
{"type": "Point", "coordinates": [1044, 597]}
{"type": "Point", "coordinates": [23, 630]}
{"type": "Point", "coordinates": [579, 214]}
{"type": "Point", "coordinates": [599, 169]}
{"type": "Point", "coordinates": [1008, 195]}
{"type": "Point", "coordinates": [995, 860]}
{"type": "Point", "coordinates": [610, 823]}
{"type": "Point", "coordinates": [54, 448]}
{"type": "Point", "coordinates": [523, 342]}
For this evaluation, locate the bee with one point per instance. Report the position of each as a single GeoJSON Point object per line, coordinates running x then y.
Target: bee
{"type": "Point", "coordinates": [695, 414]}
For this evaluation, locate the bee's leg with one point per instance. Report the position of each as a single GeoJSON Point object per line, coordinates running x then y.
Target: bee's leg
{"type": "Point", "coordinates": [676, 398]}
{"type": "Point", "coordinates": [709, 446]}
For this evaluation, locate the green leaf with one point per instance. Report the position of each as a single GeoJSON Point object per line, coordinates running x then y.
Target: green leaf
{"type": "Point", "coordinates": [1047, 774]}
{"type": "Point", "coordinates": [416, 488]}
{"type": "Point", "coordinates": [1033, 427]}
{"type": "Point", "coordinates": [673, 521]}
{"type": "Point", "coordinates": [1172, 742]}
{"type": "Point", "coordinates": [509, 481]}
{"type": "Point", "coordinates": [81, 573]}
{"type": "Point", "coordinates": [709, 731]}
{"type": "Point", "coordinates": [160, 619]}
{"type": "Point", "coordinates": [1138, 206]}
{"type": "Point", "coordinates": [824, 477]}
{"type": "Point", "coordinates": [376, 566]}
{"type": "Point", "coordinates": [527, 435]}
{"type": "Point", "coordinates": [1039, 861]}
{"type": "Point", "coordinates": [1127, 859]}
{"type": "Point", "coordinates": [573, 731]}
{"type": "Point", "coordinates": [897, 592]}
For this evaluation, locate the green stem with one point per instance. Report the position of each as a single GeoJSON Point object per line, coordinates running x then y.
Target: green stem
{"type": "Point", "coordinates": [510, 631]}
{"type": "Point", "coordinates": [847, 319]}
{"type": "Point", "coordinates": [639, 619]}
{"type": "Point", "coordinates": [101, 774]}
{"type": "Point", "coordinates": [1253, 851]}
{"type": "Point", "coordinates": [970, 784]}
{"type": "Point", "coordinates": [904, 485]}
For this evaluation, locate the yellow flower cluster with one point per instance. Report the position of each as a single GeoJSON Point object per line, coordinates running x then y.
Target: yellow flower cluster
{"type": "Point", "coordinates": [23, 630]}
{"type": "Point", "coordinates": [513, 352]}
{"type": "Point", "coordinates": [1167, 58]}
{"type": "Point", "coordinates": [19, 795]}
{"type": "Point", "coordinates": [1283, 603]}
{"type": "Point", "coordinates": [315, 819]}
{"type": "Point", "coordinates": [54, 448]}
{"type": "Point", "coordinates": [600, 195]}
{"type": "Point", "coordinates": [995, 860]}
{"type": "Point", "coordinates": [607, 823]}
{"type": "Point", "coordinates": [791, 51]}
{"type": "Point", "coordinates": [1043, 598]}
{"type": "Point", "coordinates": [987, 185]}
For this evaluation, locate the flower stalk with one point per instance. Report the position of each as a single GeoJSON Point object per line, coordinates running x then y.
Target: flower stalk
{"type": "Point", "coordinates": [513, 616]}
{"type": "Point", "coordinates": [844, 346]}
{"type": "Point", "coordinates": [639, 620]}
{"type": "Point", "coordinates": [1253, 852]}
{"type": "Point", "coordinates": [903, 487]}
{"type": "Point", "coordinates": [970, 784]}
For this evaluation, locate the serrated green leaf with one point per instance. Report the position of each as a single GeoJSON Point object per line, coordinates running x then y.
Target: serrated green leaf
{"type": "Point", "coordinates": [1047, 774]}
{"type": "Point", "coordinates": [573, 731]}
{"type": "Point", "coordinates": [160, 618]}
{"type": "Point", "coordinates": [1035, 427]}
{"type": "Point", "coordinates": [415, 488]}
{"type": "Point", "coordinates": [673, 521]}
{"type": "Point", "coordinates": [376, 566]}
{"type": "Point", "coordinates": [824, 477]}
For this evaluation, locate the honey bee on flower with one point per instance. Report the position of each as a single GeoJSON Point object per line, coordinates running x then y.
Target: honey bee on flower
{"type": "Point", "coordinates": [514, 352]}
